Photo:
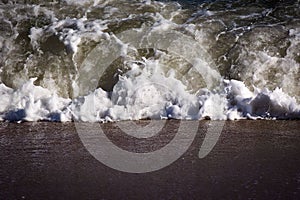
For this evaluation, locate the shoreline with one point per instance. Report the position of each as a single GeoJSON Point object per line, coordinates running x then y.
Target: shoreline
{"type": "Point", "coordinates": [252, 159]}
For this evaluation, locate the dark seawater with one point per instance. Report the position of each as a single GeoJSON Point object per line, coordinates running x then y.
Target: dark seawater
{"type": "Point", "coordinates": [242, 56]}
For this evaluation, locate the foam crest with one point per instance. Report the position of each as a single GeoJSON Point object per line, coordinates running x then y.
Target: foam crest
{"type": "Point", "coordinates": [109, 60]}
{"type": "Point", "coordinates": [142, 94]}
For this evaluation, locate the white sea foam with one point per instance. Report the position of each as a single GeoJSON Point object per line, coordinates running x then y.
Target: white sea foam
{"type": "Point", "coordinates": [147, 95]}
{"type": "Point", "coordinates": [32, 103]}
{"type": "Point", "coordinates": [160, 87]}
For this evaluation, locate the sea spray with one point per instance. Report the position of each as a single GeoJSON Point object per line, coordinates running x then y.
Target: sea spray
{"type": "Point", "coordinates": [234, 60]}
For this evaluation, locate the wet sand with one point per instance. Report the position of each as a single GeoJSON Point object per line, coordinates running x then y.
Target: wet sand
{"type": "Point", "coordinates": [251, 160]}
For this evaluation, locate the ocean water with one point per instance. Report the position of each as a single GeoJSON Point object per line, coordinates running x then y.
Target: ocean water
{"type": "Point", "coordinates": [110, 60]}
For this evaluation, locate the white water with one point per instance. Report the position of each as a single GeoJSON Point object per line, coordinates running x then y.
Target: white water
{"type": "Point", "coordinates": [158, 87]}
{"type": "Point", "coordinates": [148, 95]}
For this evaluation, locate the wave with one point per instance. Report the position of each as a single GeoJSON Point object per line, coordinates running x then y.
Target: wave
{"type": "Point", "coordinates": [114, 60]}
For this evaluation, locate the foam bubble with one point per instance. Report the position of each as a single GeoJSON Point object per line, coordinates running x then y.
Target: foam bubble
{"type": "Point", "coordinates": [51, 41]}
{"type": "Point", "coordinates": [140, 94]}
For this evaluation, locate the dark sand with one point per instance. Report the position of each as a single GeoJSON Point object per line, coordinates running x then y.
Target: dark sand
{"type": "Point", "coordinates": [252, 160]}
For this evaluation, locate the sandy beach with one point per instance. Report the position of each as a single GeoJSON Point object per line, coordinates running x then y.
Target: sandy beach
{"type": "Point", "coordinates": [251, 160]}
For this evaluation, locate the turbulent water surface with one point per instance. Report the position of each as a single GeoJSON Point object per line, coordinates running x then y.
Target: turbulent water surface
{"type": "Point", "coordinates": [107, 60]}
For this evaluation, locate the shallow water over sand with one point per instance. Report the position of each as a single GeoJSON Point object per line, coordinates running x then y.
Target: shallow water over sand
{"type": "Point", "coordinates": [252, 159]}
